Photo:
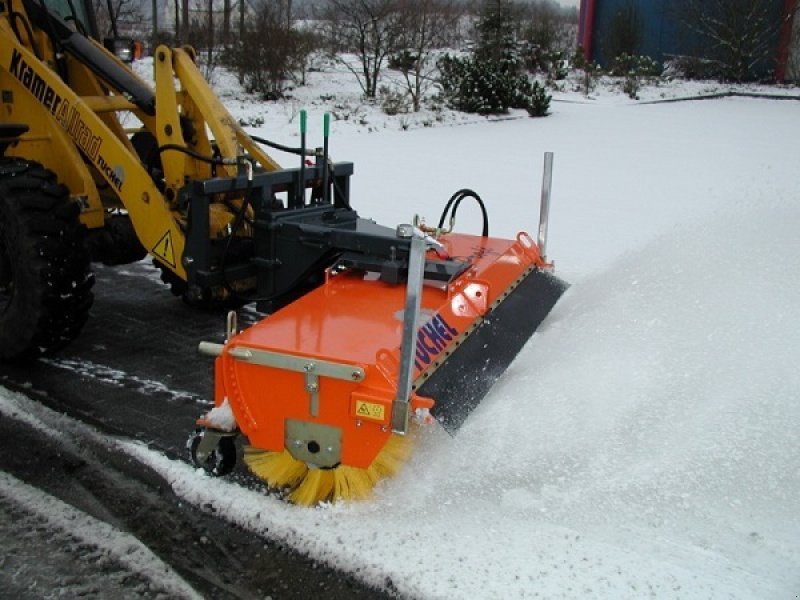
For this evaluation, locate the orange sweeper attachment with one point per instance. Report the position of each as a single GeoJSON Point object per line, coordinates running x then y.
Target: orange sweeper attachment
{"type": "Point", "coordinates": [406, 324]}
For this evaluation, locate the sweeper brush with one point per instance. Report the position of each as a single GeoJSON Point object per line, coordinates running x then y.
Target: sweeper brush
{"type": "Point", "coordinates": [413, 324]}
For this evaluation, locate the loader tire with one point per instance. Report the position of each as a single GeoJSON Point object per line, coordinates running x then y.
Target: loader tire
{"type": "Point", "coordinates": [45, 277]}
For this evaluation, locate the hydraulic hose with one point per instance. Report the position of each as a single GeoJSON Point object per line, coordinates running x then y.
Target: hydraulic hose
{"type": "Point", "coordinates": [282, 148]}
{"type": "Point", "coordinates": [212, 160]}
{"type": "Point", "coordinates": [455, 201]}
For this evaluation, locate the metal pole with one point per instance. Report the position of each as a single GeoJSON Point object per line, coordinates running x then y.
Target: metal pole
{"type": "Point", "coordinates": [301, 191]}
{"type": "Point", "coordinates": [416, 276]}
{"type": "Point", "coordinates": [326, 185]}
{"type": "Point", "coordinates": [544, 208]}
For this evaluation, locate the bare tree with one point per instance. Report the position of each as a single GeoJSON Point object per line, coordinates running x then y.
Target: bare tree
{"type": "Point", "coordinates": [226, 22]}
{"type": "Point", "coordinates": [269, 52]}
{"type": "Point", "coordinates": [210, 33]}
{"type": "Point", "coordinates": [123, 13]}
{"type": "Point", "coordinates": [427, 25]}
{"type": "Point", "coordinates": [369, 28]}
{"type": "Point", "coordinates": [547, 33]}
{"type": "Point", "coordinates": [185, 18]}
{"type": "Point", "coordinates": [793, 66]}
{"type": "Point", "coordinates": [548, 26]}
{"type": "Point", "coordinates": [739, 36]}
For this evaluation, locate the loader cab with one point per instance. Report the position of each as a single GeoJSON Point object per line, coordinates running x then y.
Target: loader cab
{"type": "Point", "coordinates": [78, 13]}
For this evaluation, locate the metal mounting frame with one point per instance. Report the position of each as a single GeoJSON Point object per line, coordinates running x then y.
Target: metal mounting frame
{"type": "Point", "coordinates": [416, 277]}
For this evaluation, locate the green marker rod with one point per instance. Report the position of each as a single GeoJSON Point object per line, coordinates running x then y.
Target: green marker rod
{"type": "Point", "coordinates": [301, 189]}
{"type": "Point", "coordinates": [326, 132]}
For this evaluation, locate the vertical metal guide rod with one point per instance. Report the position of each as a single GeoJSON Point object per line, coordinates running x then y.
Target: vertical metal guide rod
{"type": "Point", "coordinates": [544, 208]}
{"type": "Point", "coordinates": [416, 276]}
{"type": "Point", "coordinates": [326, 185]}
{"type": "Point", "coordinates": [301, 192]}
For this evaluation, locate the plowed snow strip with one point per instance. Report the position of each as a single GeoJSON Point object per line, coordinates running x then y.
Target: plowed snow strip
{"type": "Point", "coordinates": [117, 545]}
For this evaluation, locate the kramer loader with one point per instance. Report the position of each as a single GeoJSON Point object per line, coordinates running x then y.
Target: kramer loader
{"type": "Point", "coordinates": [371, 329]}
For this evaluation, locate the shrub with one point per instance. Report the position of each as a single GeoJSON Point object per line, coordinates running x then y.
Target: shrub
{"type": "Point", "coordinates": [537, 101]}
{"type": "Point", "coordinates": [694, 67]}
{"type": "Point", "coordinates": [635, 70]}
{"type": "Point", "coordinates": [470, 86]}
{"type": "Point", "coordinates": [403, 61]}
{"type": "Point", "coordinates": [392, 102]}
{"type": "Point", "coordinates": [552, 63]}
{"type": "Point", "coordinates": [491, 79]}
{"type": "Point", "coordinates": [485, 88]}
{"type": "Point", "coordinates": [642, 66]}
{"type": "Point", "coordinates": [267, 55]}
{"type": "Point", "coordinates": [590, 71]}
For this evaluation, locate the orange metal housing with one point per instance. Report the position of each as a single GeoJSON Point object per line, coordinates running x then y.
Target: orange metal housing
{"type": "Point", "coordinates": [356, 320]}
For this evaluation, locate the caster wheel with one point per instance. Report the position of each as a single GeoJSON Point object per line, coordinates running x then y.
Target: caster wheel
{"type": "Point", "coordinates": [215, 456]}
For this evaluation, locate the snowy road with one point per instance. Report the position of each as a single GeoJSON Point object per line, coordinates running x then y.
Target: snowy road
{"type": "Point", "coordinates": [53, 550]}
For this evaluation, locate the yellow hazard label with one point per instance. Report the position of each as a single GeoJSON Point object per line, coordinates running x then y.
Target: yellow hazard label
{"type": "Point", "coordinates": [370, 410]}
{"type": "Point", "coordinates": [164, 249]}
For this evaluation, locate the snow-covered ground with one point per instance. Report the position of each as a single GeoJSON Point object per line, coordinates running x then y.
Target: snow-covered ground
{"type": "Point", "coordinates": [644, 443]}
{"type": "Point", "coordinates": [79, 556]}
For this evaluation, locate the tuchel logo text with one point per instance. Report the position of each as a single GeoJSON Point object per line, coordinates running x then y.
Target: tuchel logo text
{"type": "Point", "coordinates": [432, 338]}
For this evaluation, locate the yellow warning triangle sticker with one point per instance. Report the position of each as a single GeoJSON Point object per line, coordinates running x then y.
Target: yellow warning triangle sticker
{"type": "Point", "coordinates": [363, 409]}
{"type": "Point", "coordinates": [164, 249]}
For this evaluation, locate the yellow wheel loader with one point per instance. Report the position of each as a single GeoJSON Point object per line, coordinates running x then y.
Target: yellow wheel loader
{"type": "Point", "coordinates": [372, 329]}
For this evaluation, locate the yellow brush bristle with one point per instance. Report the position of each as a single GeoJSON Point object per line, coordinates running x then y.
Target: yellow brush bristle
{"type": "Point", "coordinates": [351, 483]}
{"type": "Point", "coordinates": [308, 486]}
{"type": "Point", "coordinates": [316, 487]}
{"type": "Point", "coordinates": [278, 469]}
{"type": "Point", "coordinates": [392, 456]}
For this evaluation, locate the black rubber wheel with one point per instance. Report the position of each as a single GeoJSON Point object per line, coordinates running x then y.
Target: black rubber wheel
{"type": "Point", "coordinates": [116, 243]}
{"type": "Point", "coordinates": [220, 461]}
{"type": "Point", "coordinates": [45, 275]}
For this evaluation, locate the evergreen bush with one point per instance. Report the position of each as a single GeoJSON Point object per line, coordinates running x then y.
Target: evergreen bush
{"type": "Point", "coordinates": [491, 79]}
{"type": "Point", "coordinates": [635, 70]}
